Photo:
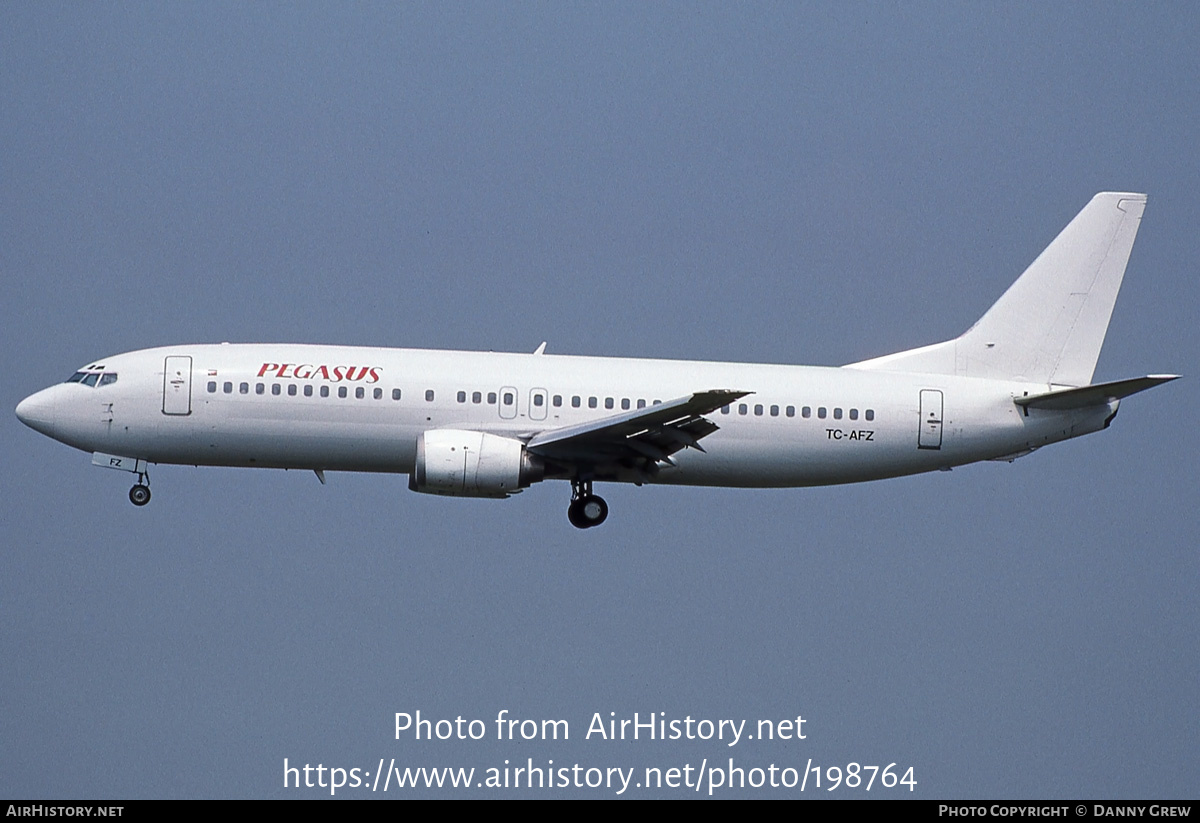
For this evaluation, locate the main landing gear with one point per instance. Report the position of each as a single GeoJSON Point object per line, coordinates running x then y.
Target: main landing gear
{"type": "Point", "coordinates": [586, 509]}
{"type": "Point", "coordinates": [139, 495]}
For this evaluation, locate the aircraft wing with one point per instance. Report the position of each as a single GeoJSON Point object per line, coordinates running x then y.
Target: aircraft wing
{"type": "Point", "coordinates": [637, 439]}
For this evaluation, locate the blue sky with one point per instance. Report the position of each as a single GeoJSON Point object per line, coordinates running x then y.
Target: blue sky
{"type": "Point", "coordinates": [794, 183]}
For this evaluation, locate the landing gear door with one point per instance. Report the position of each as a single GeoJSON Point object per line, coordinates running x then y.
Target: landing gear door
{"type": "Point", "coordinates": [177, 385]}
{"type": "Point", "coordinates": [930, 436]}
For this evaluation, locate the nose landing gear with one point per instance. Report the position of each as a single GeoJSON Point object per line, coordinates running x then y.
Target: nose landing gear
{"type": "Point", "coordinates": [586, 509]}
{"type": "Point", "coordinates": [139, 495]}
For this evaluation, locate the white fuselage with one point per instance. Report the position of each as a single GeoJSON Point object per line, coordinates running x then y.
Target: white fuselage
{"type": "Point", "coordinates": [343, 408]}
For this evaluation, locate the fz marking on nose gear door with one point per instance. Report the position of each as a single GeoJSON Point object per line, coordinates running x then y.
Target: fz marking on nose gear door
{"type": "Point", "coordinates": [930, 435]}
{"type": "Point", "coordinates": [177, 386]}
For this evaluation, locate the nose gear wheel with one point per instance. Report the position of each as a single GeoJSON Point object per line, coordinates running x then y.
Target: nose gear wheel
{"type": "Point", "coordinates": [139, 495]}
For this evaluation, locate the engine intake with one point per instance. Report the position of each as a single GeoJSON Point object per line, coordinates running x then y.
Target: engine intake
{"type": "Point", "coordinates": [472, 464]}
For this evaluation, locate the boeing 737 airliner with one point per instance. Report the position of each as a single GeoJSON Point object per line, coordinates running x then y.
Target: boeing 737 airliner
{"type": "Point", "coordinates": [491, 424]}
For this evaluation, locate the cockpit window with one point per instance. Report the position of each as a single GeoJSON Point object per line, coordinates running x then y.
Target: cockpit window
{"type": "Point", "coordinates": [93, 378]}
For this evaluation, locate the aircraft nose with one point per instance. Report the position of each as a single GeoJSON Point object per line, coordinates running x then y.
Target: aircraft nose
{"type": "Point", "coordinates": [37, 411]}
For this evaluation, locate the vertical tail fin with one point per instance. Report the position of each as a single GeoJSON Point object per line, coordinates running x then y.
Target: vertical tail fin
{"type": "Point", "coordinates": [1050, 324]}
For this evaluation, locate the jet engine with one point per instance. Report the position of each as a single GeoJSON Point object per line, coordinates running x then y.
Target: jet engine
{"type": "Point", "coordinates": [472, 464]}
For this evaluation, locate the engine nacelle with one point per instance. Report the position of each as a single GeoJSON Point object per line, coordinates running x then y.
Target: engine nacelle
{"type": "Point", "coordinates": [472, 464]}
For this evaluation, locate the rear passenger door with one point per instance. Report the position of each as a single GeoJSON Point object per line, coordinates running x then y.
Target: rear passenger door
{"type": "Point", "coordinates": [930, 434]}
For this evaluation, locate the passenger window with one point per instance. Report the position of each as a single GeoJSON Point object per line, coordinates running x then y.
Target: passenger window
{"type": "Point", "coordinates": [509, 399]}
{"type": "Point", "coordinates": [308, 390]}
{"type": "Point", "coordinates": [378, 394]}
{"type": "Point", "coordinates": [791, 411]}
{"type": "Point", "coordinates": [244, 388]}
{"type": "Point", "coordinates": [275, 389]}
{"type": "Point", "coordinates": [870, 415]}
{"type": "Point", "coordinates": [228, 386]}
{"type": "Point", "coordinates": [360, 393]}
{"type": "Point", "coordinates": [476, 397]}
{"type": "Point", "coordinates": [491, 397]}
{"type": "Point", "coordinates": [212, 386]}
{"type": "Point", "coordinates": [641, 403]}
{"type": "Point", "coordinates": [462, 397]}
{"type": "Point", "coordinates": [395, 394]}
{"type": "Point", "coordinates": [806, 412]}
{"type": "Point", "coordinates": [429, 395]}
{"type": "Point", "coordinates": [821, 412]}
{"type": "Point", "coordinates": [575, 402]}
{"type": "Point", "coordinates": [758, 409]}
{"type": "Point", "coordinates": [743, 408]}
{"type": "Point", "coordinates": [342, 392]}
{"type": "Point", "coordinates": [593, 402]}
{"type": "Point", "coordinates": [837, 414]}
{"type": "Point", "coordinates": [539, 400]}
{"type": "Point", "coordinates": [291, 390]}
{"type": "Point", "coordinates": [774, 411]}
{"type": "Point", "coordinates": [854, 414]}
{"type": "Point", "coordinates": [259, 388]}
{"type": "Point", "coordinates": [608, 402]}
{"type": "Point", "coordinates": [324, 391]}
{"type": "Point", "coordinates": [625, 403]}
{"type": "Point", "coordinates": [724, 410]}
{"type": "Point", "coordinates": [557, 400]}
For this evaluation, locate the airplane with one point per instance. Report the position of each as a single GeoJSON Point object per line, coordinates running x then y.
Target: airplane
{"type": "Point", "coordinates": [488, 424]}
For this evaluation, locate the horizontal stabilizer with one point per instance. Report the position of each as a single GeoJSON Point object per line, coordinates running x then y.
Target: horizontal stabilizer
{"type": "Point", "coordinates": [1096, 395]}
